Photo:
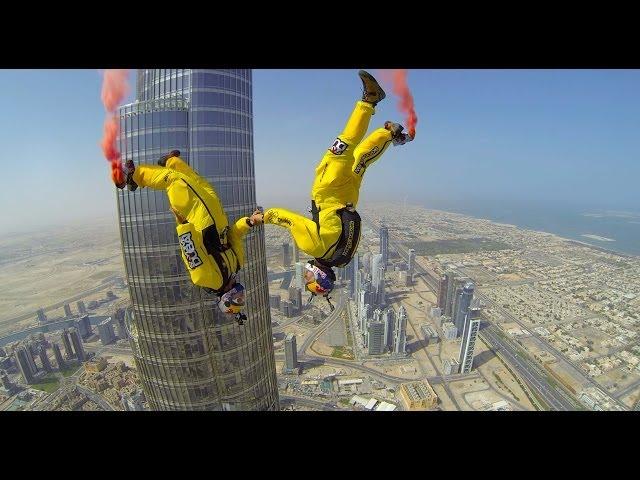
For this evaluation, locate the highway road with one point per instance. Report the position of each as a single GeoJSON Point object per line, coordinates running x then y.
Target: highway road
{"type": "Point", "coordinates": [508, 315]}
{"type": "Point", "coordinates": [553, 395]}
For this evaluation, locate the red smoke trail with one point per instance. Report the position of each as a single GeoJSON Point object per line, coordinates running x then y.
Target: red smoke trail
{"type": "Point", "coordinates": [398, 79]}
{"type": "Point", "coordinates": [114, 88]}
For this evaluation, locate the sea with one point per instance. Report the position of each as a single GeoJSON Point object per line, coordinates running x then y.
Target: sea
{"type": "Point", "coordinates": [614, 230]}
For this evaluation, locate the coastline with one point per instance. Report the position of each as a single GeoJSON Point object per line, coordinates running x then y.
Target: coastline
{"type": "Point", "coordinates": [571, 240]}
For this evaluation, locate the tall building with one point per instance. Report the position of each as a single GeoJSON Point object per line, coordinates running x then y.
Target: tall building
{"type": "Point", "coordinates": [366, 263]}
{"type": "Point", "coordinates": [24, 365]}
{"type": "Point", "coordinates": [376, 265]}
{"type": "Point", "coordinates": [66, 341]}
{"type": "Point", "coordinates": [442, 293]}
{"type": "Point", "coordinates": [299, 282]}
{"type": "Point", "coordinates": [105, 332]}
{"type": "Point", "coordinates": [463, 305]}
{"type": "Point", "coordinates": [83, 324]}
{"type": "Point", "coordinates": [450, 366]}
{"type": "Point", "coordinates": [42, 318]}
{"type": "Point", "coordinates": [189, 355]}
{"type": "Point", "coordinates": [6, 386]}
{"type": "Point", "coordinates": [274, 301]}
{"type": "Point", "coordinates": [381, 296]}
{"type": "Point", "coordinates": [46, 364]}
{"type": "Point", "coordinates": [459, 284]}
{"type": "Point", "coordinates": [67, 310]}
{"type": "Point", "coordinates": [120, 328]}
{"type": "Point", "coordinates": [290, 354]}
{"type": "Point", "coordinates": [451, 277]}
{"type": "Point", "coordinates": [375, 341]}
{"type": "Point", "coordinates": [449, 331]}
{"type": "Point", "coordinates": [295, 297]}
{"type": "Point", "coordinates": [58, 355]}
{"type": "Point", "coordinates": [400, 344]}
{"type": "Point", "coordinates": [467, 346]}
{"type": "Point", "coordinates": [412, 260]}
{"type": "Point", "coordinates": [81, 308]}
{"type": "Point", "coordinates": [384, 244]}
{"type": "Point", "coordinates": [32, 350]}
{"type": "Point", "coordinates": [389, 320]}
{"type": "Point", "coordinates": [76, 341]}
{"type": "Point", "coordinates": [296, 252]}
{"type": "Point", "coordinates": [286, 255]}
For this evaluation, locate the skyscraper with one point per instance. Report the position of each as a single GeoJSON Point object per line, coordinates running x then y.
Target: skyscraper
{"type": "Point", "coordinates": [384, 244]}
{"type": "Point", "coordinates": [400, 344]}
{"type": "Point", "coordinates": [58, 355]}
{"type": "Point", "coordinates": [46, 364]}
{"type": "Point", "coordinates": [286, 255]}
{"type": "Point", "coordinates": [458, 285]}
{"type": "Point", "coordinates": [412, 260]}
{"type": "Point", "coordinates": [451, 276]}
{"type": "Point", "coordinates": [189, 355]}
{"type": "Point", "coordinates": [389, 320]}
{"type": "Point", "coordinates": [299, 275]}
{"type": "Point", "coordinates": [32, 350]}
{"type": "Point", "coordinates": [81, 308]}
{"type": "Point", "coordinates": [469, 335]}
{"type": "Point", "coordinates": [76, 341]}
{"type": "Point", "coordinates": [296, 252]}
{"type": "Point", "coordinates": [376, 337]}
{"type": "Point", "coordinates": [23, 364]}
{"type": "Point", "coordinates": [68, 351]}
{"type": "Point", "coordinates": [295, 297]}
{"type": "Point", "coordinates": [67, 310]}
{"type": "Point", "coordinates": [42, 318]}
{"type": "Point", "coordinates": [462, 306]}
{"type": "Point", "coordinates": [105, 332]}
{"type": "Point", "coordinates": [290, 354]}
{"type": "Point", "coordinates": [376, 264]}
{"type": "Point", "coordinates": [83, 324]}
{"type": "Point", "coordinates": [442, 293]}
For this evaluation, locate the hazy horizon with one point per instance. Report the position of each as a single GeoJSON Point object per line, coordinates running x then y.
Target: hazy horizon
{"type": "Point", "coordinates": [556, 139]}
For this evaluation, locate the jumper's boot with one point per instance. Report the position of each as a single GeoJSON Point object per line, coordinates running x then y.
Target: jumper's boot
{"type": "Point", "coordinates": [372, 92]}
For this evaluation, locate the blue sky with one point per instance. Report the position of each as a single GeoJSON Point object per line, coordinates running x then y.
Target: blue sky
{"type": "Point", "coordinates": [561, 138]}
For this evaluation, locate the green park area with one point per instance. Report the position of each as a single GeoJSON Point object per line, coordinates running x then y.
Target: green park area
{"type": "Point", "coordinates": [49, 384]}
{"type": "Point", "coordinates": [457, 245]}
{"type": "Point", "coordinates": [70, 370]}
{"type": "Point", "coordinates": [342, 352]}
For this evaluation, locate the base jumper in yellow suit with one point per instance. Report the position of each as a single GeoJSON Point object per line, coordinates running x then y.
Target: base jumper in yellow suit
{"type": "Point", "coordinates": [332, 236]}
{"type": "Point", "coordinates": [211, 249]}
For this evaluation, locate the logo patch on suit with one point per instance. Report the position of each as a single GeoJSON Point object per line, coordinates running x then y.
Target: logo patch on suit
{"type": "Point", "coordinates": [338, 147]}
{"type": "Point", "coordinates": [189, 250]}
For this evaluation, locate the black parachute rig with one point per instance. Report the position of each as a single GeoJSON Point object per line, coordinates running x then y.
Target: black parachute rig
{"type": "Point", "coordinates": [326, 295]}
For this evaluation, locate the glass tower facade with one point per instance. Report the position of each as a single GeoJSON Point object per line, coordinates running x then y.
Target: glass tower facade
{"type": "Point", "coordinates": [189, 355]}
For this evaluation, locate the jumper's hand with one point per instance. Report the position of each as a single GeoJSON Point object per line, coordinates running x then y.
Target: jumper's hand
{"type": "Point", "coordinates": [257, 217]}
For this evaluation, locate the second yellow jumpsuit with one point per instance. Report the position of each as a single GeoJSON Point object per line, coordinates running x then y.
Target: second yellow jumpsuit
{"type": "Point", "coordinates": [197, 206]}
{"type": "Point", "coordinates": [337, 182]}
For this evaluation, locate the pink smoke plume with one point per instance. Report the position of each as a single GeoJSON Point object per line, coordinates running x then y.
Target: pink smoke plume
{"type": "Point", "coordinates": [398, 79]}
{"type": "Point", "coordinates": [115, 88]}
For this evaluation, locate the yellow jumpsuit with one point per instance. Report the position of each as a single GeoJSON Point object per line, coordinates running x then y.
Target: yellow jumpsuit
{"type": "Point", "coordinates": [194, 199]}
{"type": "Point", "coordinates": [337, 182]}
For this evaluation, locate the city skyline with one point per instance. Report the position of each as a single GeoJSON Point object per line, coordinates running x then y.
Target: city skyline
{"type": "Point", "coordinates": [533, 137]}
